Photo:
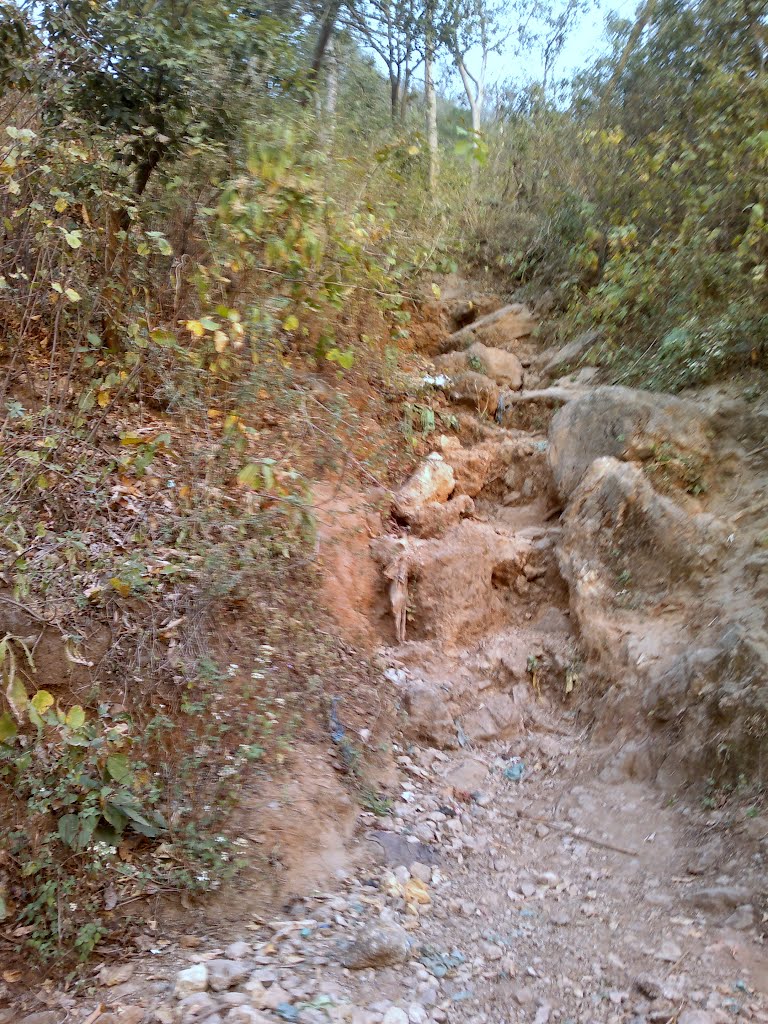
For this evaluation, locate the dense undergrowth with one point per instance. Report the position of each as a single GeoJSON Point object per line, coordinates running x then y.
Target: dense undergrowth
{"type": "Point", "coordinates": [192, 319]}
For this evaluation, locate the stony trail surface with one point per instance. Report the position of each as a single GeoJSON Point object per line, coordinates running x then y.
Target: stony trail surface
{"type": "Point", "coordinates": [518, 875]}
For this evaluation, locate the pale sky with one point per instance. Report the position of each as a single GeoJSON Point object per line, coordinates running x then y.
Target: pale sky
{"type": "Point", "coordinates": [584, 43]}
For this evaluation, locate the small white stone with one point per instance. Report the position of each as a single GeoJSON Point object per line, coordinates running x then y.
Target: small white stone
{"type": "Point", "coordinates": [191, 979]}
{"type": "Point", "coordinates": [417, 1014]}
{"type": "Point", "coordinates": [395, 1015]}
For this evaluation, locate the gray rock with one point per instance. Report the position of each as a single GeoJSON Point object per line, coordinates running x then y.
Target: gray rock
{"type": "Point", "coordinates": [468, 775]}
{"type": "Point", "coordinates": [238, 950]}
{"type": "Point", "coordinates": [626, 424]}
{"type": "Point", "coordinates": [247, 1015]}
{"type": "Point", "coordinates": [378, 944]}
{"type": "Point", "coordinates": [648, 986]}
{"type": "Point", "coordinates": [742, 918]}
{"type": "Point", "coordinates": [421, 871]}
{"type": "Point", "coordinates": [668, 951]}
{"type": "Point", "coordinates": [695, 1017]}
{"type": "Point", "coordinates": [717, 899]}
{"type": "Point", "coordinates": [394, 849]}
{"type": "Point", "coordinates": [191, 979]}
{"type": "Point", "coordinates": [197, 1006]}
{"type": "Point", "coordinates": [224, 974]}
{"type": "Point", "coordinates": [395, 1015]}
{"type": "Point", "coordinates": [43, 1017]}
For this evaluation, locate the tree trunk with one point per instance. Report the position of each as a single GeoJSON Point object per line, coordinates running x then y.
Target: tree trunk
{"type": "Point", "coordinates": [431, 102]}
{"type": "Point", "coordinates": [326, 26]}
{"type": "Point", "coordinates": [643, 18]}
{"type": "Point", "coordinates": [394, 95]}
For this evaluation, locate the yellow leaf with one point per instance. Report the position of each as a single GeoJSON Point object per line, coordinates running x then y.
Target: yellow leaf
{"type": "Point", "coordinates": [196, 328]}
{"type": "Point", "coordinates": [61, 205]}
{"type": "Point", "coordinates": [417, 892]}
{"type": "Point", "coordinates": [413, 150]}
{"type": "Point", "coordinates": [290, 323]}
{"type": "Point", "coordinates": [72, 295]}
{"type": "Point", "coordinates": [104, 398]}
{"type": "Point", "coordinates": [220, 341]}
{"type": "Point", "coordinates": [215, 414]}
{"type": "Point", "coordinates": [42, 701]}
{"type": "Point", "coordinates": [436, 290]}
{"type": "Point", "coordinates": [117, 584]}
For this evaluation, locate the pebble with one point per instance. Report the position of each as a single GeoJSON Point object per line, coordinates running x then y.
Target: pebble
{"type": "Point", "coordinates": [194, 1007]}
{"type": "Point", "coordinates": [378, 944]}
{"type": "Point", "coordinates": [668, 951]}
{"type": "Point", "coordinates": [224, 974]}
{"type": "Point", "coordinates": [417, 1014]}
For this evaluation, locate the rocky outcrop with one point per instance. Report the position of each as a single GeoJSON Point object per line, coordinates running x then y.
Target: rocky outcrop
{"type": "Point", "coordinates": [433, 481]}
{"type": "Point", "coordinates": [475, 390]}
{"type": "Point", "coordinates": [499, 329]}
{"type": "Point", "coordinates": [667, 432]}
{"type": "Point", "coordinates": [553, 364]}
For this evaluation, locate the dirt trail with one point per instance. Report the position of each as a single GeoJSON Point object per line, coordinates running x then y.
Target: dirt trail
{"type": "Point", "coordinates": [519, 874]}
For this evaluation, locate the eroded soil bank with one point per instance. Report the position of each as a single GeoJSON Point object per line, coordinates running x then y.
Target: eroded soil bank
{"type": "Point", "coordinates": [579, 702]}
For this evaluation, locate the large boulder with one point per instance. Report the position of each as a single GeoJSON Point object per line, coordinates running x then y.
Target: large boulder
{"type": "Point", "coordinates": [619, 532]}
{"type": "Point", "coordinates": [666, 432]}
{"type": "Point", "coordinates": [504, 368]}
{"type": "Point", "coordinates": [670, 624]}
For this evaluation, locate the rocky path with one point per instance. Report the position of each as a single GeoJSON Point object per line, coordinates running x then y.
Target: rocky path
{"type": "Point", "coordinates": [517, 876]}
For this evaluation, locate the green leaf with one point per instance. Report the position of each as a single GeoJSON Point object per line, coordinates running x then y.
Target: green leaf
{"type": "Point", "coordinates": [208, 324]}
{"type": "Point", "coordinates": [116, 818]}
{"type": "Point", "coordinates": [75, 717]}
{"type": "Point", "coordinates": [8, 727]}
{"type": "Point", "coordinates": [17, 696]}
{"type": "Point", "coordinates": [73, 239]}
{"type": "Point", "coordinates": [72, 295]}
{"type": "Point", "coordinates": [87, 828]}
{"type": "Point", "coordinates": [68, 828]}
{"type": "Point", "coordinates": [127, 804]}
{"type": "Point", "coordinates": [250, 475]}
{"type": "Point", "coordinates": [118, 767]}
